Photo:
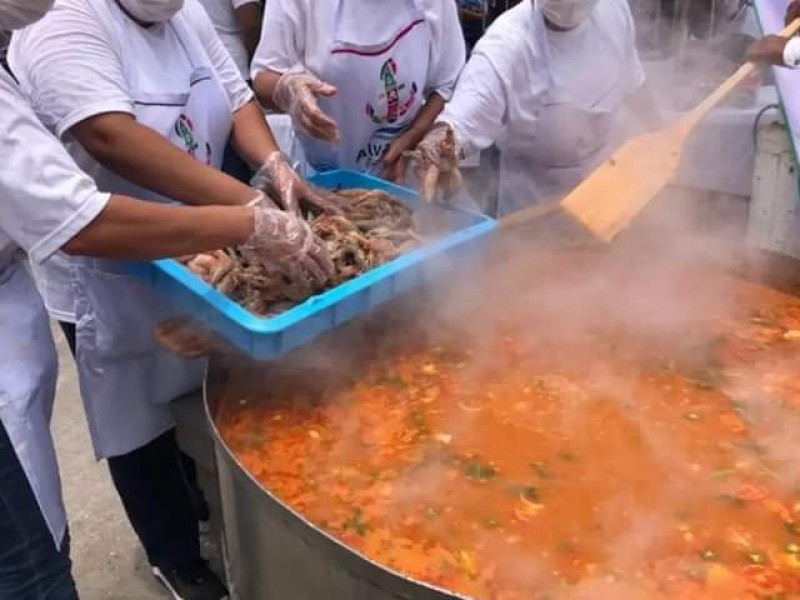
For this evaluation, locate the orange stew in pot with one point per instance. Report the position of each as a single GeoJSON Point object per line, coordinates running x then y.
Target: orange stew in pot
{"type": "Point", "coordinates": [598, 461]}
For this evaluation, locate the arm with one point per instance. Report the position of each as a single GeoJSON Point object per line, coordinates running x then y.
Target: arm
{"type": "Point", "coordinates": [469, 123]}
{"type": "Point", "coordinates": [264, 85]}
{"type": "Point", "coordinates": [775, 50]}
{"type": "Point", "coordinates": [394, 162]}
{"type": "Point", "coordinates": [251, 136]}
{"type": "Point", "coordinates": [248, 18]}
{"type": "Point", "coordinates": [156, 164]}
{"type": "Point", "coordinates": [448, 55]}
{"type": "Point", "coordinates": [133, 229]}
{"type": "Point", "coordinates": [281, 49]}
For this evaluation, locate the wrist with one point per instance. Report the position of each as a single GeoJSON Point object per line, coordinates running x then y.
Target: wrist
{"type": "Point", "coordinates": [246, 223]}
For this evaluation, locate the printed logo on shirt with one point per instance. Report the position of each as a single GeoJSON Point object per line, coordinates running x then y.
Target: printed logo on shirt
{"type": "Point", "coordinates": [396, 107]}
{"type": "Point", "coordinates": [370, 156]}
{"type": "Point", "coordinates": [184, 129]}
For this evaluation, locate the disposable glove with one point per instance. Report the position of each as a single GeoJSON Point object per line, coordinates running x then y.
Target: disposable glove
{"type": "Point", "coordinates": [276, 177]}
{"type": "Point", "coordinates": [284, 240]}
{"type": "Point", "coordinates": [296, 94]}
{"type": "Point", "coordinates": [436, 163]}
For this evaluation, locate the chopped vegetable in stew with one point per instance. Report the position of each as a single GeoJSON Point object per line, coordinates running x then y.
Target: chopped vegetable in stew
{"type": "Point", "coordinates": [605, 460]}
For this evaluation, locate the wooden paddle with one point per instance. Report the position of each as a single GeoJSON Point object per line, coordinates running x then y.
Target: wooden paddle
{"type": "Point", "coordinates": [607, 201]}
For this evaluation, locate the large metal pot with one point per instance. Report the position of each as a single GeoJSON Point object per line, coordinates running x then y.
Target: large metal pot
{"type": "Point", "coordinates": [272, 552]}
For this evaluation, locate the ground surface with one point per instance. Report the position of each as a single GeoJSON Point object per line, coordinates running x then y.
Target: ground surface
{"type": "Point", "coordinates": [108, 561]}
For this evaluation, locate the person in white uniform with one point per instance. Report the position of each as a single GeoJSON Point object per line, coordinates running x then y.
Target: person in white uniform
{"type": "Point", "coordinates": [547, 85]}
{"type": "Point", "coordinates": [48, 204]}
{"type": "Point", "coordinates": [362, 80]}
{"type": "Point", "coordinates": [145, 97]}
{"type": "Point", "coordinates": [238, 24]}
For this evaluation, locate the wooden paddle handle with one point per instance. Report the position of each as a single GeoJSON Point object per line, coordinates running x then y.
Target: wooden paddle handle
{"type": "Point", "coordinates": [730, 84]}
{"type": "Point", "coordinates": [529, 214]}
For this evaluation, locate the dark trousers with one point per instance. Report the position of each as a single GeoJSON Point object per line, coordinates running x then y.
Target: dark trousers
{"type": "Point", "coordinates": [157, 486]}
{"type": "Point", "coordinates": [31, 567]}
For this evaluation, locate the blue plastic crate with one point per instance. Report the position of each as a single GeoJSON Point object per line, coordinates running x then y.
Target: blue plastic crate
{"type": "Point", "coordinates": [265, 338]}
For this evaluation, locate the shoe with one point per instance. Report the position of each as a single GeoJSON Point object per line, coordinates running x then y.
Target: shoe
{"type": "Point", "coordinates": [194, 582]}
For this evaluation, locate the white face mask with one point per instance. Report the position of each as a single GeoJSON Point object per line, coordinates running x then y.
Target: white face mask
{"type": "Point", "coordinates": [567, 14]}
{"type": "Point", "coordinates": [17, 14]}
{"type": "Point", "coordinates": [152, 11]}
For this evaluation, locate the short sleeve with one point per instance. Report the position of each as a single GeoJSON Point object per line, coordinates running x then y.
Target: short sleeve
{"type": "Point", "coordinates": [227, 71]}
{"type": "Point", "coordinates": [68, 68]}
{"type": "Point", "coordinates": [45, 198]}
{"type": "Point", "coordinates": [448, 51]}
{"type": "Point", "coordinates": [477, 110]}
{"type": "Point", "coordinates": [282, 38]}
{"type": "Point", "coordinates": [240, 3]}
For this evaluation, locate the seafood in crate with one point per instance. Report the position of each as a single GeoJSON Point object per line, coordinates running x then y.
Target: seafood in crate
{"type": "Point", "coordinates": [374, 228]}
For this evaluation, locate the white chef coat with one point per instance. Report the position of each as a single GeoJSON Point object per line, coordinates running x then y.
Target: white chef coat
{"type": "Point", "coordinates": [45, 200]}
{"type": "Point", "coordinates": [68, 66]}
{"type": "Point", "coordinates": [299, 32]}
{"type": "Point", "coordinates": [221, 13]}
{"type": "Point", "coordinates": [512, 69]}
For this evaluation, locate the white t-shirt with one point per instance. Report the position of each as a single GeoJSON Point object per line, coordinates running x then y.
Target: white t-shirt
{"type": "Point", "coordinates": [45, 200]}
{"type": "Point", "coordinates": [299, 32]}
{"type": "Point", "coordinates": [222, 16]}
{"type": "Point", "coordinates": [70, 68]}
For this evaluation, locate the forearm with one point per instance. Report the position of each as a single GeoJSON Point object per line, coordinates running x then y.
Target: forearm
{"type": "Point", "coordinates": [264, 85]}
{"type": "Point", "coordinates": [251, 136]}
{"type": "Point", "coordinates": [138, 230]}
{"type": "Point", "coordinates": [424, 120]}
{"type": "Point", "coordinates": [146, 158]}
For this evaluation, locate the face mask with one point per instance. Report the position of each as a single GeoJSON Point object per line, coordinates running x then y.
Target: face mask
{"type": "Point", "coordinates": [17, 14]}
{"type": "Point", "coordinates": [152, 11]}
{"type": "Point", "coordinates": [567, 14]}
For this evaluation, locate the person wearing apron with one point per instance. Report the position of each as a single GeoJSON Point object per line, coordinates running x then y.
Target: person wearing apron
{"type": "Point", "coordinates": [49, 204]}
{"type": "Point", "coordinates": [176, 95]}
{"type": "Point", "coordinates": [362, 80]}
{"type": "Point", "coordinates": [547, 85]}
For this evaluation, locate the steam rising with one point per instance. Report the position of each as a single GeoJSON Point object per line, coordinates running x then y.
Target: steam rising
{"type": "Point", "coordinates": [649, 295]}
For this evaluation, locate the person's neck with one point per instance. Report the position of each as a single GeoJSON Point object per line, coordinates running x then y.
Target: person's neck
{"type": "Point", "coordinates": [140, 23]}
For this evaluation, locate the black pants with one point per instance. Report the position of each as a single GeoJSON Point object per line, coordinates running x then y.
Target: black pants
{"type": "Point", "coordinates": [157, 486]}
{"type": "Point", "coordinates": [31, 567]}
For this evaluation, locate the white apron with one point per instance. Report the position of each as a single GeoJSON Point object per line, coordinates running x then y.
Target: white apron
{"type": "Point", "coordinates": [543, 158]}
{"type": "Point", "coordinates": [127, 379]}
{"type": "Point", "coordinates": [28, 372]}
{"type": "Point", "coordinates": [380, 90]}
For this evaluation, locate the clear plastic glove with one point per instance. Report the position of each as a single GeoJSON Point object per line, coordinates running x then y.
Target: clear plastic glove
{"type": "Point", "coordinates": [284, 240]}
{"type": "Point", "coordinates": [436, 163]}
{"type": "Point", "coordinates": [296, 94]}
{"type": "Point", "coordinates": [277, 178]}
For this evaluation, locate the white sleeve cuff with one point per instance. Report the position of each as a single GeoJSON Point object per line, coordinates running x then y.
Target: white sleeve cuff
{"type": "Point", "coordinates": [88, 212]}
{"type": "Point", "coordinates": [92, 110]}
{"type": "Point", "coordinates": [791, 53]}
